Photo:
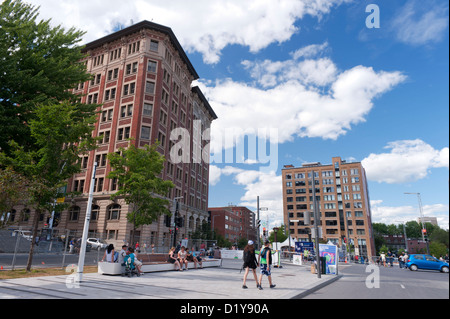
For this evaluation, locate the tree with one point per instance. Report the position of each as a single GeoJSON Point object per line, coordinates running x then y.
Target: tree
{"type": "Point", "coordinates": [13, 191]}
{"type": "Point", "coordinates": [39, 64]}
{"type": "Point", "coordinates": [61, 132]}
{"type": "Point", "coordinates": [136, 171]}
{"type": "Point", "coordinates": [43, 126]}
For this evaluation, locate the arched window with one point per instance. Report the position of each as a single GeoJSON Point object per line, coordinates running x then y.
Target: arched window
{"type": "Point", "coordinates": [113, 212]}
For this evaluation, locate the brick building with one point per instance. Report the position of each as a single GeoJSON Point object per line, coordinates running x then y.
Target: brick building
{"type": "Point", "coordinates": [142, 77]}
{"type": "Point", "coordinates": [343, 199]}
{"type": "Point", "coordinates": [234, 222]}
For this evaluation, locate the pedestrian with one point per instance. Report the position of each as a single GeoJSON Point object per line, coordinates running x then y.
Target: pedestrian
{"type": "Point", "coordinates": [182, 256]}
{"type": "Point", "coordinates": [265, 262]}
{"type": "Point", "coordinates": [250, 263]}
{"type": "Point", "coordinates": [109, 254]}
{"type": "Point", "coordinates": [122, 254]}
{"type": "Point", "coordinates": [391, 258]}
{"type": "Point", "coordinates": [400, 260]}
{"type": "Point", "coordinates": [405, 259]}
{"type": "Point", "coordinates": [137, 263]}
{"type": "Point", "coordinates": [153, 248]}
{"type": "Point", "coordinates": [71, 246]}
{"type": "Point", "coordinates": [383, 258]}
{"type": "Point", "coordinates": [173, 259]}
{"type": "Point", "coordinates": [446, 258]}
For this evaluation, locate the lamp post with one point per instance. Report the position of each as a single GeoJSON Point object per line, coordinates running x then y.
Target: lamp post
{"type": "Point", "coordinates": [424, 229]}
{"type": "Point", "coordinates": [316, 225]}
{"type": "Point", "coordinates": [174, 215]}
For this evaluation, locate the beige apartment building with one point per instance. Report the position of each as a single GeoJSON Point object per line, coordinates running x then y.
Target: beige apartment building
{"type": "Point", "coordinates": [343, 199]}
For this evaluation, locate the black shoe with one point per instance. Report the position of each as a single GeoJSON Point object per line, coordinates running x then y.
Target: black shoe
{"type": "Point", "coordinates": [244, 287]}
{"type": "Point", "coordinates": [272, 286]}
{"type": "Point", "coordinates": [259, 287]}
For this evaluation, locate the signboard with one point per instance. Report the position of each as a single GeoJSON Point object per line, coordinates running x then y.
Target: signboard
{"type": "Point", "coordinates": [330, 252]}
{"type": "Point", "coordinates": [301, 246]}
{"type": "Point", "coordinates": [297, 259]}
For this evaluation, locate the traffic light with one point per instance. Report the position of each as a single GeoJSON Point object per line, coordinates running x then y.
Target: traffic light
{"type": "Point", "coordinates": [179, 221]}
{"type": "Point", "coordinates": [264, 231]}
{"type": "Point", "coordinates": [424, 231]}
{"type": "Point", "coordinates": [167, 220]}
{"type": "Point", "coordinates": [345, 240]}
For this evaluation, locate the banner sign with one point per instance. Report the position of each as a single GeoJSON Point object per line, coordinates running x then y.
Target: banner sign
{"type": "Point", "coordinates": [330, 253]}
{"type": "Point", "coordinates": [301, 246]}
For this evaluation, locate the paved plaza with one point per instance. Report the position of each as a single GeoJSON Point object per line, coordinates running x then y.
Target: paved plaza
{"type": "Point", "coordinates": [292, 281]}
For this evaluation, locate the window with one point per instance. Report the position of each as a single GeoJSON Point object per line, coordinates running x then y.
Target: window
{"type": "Point", "coordinates": [113, 74]}
{"type": "Point", "coordinates": [126, 110]}
{"type": "Point", "coordinates": [95, 211]}
{"type": "Point", "coordinates": [154, 45]}
{"type": "Point", "coordinates": [123, 133]}
{"type": "Point", "coordinates": [162, 139]}
{"type": "Point", "coordinates": [131, 68]}
{"type": "Point", "coordinates": [152, 66]}
{"type": "Point", "coordinates": [107, 115]}
{"type": "Point", "coordinates": [148, 109]}
{"type": "Point", "coordinates": [113, 212]}
{"type": "Point", "coordinates": [134, 47]}
{"type": "Point", "coordinates": [110, 94]}
{"type": "Point", "coordinates": [129, 89]}
{"type": "Point", "coordinates": [150, 87]}
{"type": "Point", "coordinates": [74, 213]}
{"type": "Point", "coordinates": [145, 132]}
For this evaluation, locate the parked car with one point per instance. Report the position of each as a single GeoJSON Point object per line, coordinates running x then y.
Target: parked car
{"type": "Point", "coordinates": [24, 233]}
{"type": "Point", "coordinates": [420, 261]}
{"type": "Point", "coordinates": [97, 243]}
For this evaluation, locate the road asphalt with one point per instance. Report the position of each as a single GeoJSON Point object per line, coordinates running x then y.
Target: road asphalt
{"type": "Point", "coordinates": [292, 282]}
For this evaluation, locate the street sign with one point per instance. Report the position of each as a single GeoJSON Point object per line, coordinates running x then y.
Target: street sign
{"type": "Point", "coordinates": [301, 246]}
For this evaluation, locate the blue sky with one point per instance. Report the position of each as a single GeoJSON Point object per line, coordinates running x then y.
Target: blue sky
{"type": "Point", "coordinates": [326, 83]}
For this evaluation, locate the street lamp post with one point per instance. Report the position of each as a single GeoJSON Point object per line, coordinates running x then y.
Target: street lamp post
{"type": "Point", "coordinates": [424, 229]}
{"type": "Point", "coordinates": [316, 225]}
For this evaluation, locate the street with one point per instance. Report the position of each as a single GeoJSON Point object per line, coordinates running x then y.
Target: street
{"type": "Point", "coordinates": [49, 260]}
{"type": "Point", "coordinates": [394, 283]}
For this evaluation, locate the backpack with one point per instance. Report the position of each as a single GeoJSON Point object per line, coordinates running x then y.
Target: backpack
{"type": "Point", "coordinates": [264, 253]}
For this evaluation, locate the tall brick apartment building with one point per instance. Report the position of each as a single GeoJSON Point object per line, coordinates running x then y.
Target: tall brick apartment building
{"type": "Point", "coordinates": [343, 198]}
{"type": "Point", "coordinates": [142, 77]}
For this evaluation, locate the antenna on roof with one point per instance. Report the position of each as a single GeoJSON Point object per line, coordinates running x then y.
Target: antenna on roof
{"type": "Point", "coordinates": [131, 21]}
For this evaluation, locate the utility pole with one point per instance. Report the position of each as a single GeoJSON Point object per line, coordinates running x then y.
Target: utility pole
{"type": "Point", "coordinates": [316, 225]}
{"type": "Point", "coordinates": [424, 229]}
{"type": "Point", "coordinates": [257, 209]}
{"type": "Point", "coordinates": [86, 227]}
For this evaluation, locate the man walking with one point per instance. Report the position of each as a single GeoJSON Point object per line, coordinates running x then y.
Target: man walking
{"type": "Point", "coordinates": [265, 261]}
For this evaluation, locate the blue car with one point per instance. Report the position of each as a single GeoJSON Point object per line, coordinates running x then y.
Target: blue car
{"type": "Point", "coordinates": [420, 261]}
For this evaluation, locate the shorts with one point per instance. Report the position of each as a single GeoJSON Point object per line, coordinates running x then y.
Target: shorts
{"type": "Point", "coordinates": [265, 269]}
{"type": "Point", "coordinates": [137, 263]}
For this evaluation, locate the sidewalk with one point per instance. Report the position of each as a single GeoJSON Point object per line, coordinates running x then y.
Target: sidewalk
{"type": "Point", "coordinates": [291, 281]}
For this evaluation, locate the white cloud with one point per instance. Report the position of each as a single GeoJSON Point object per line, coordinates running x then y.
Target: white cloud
{"type": "Point", "coordinates": [205, 26]}
{"type": "Point", "coordinates": [417, 24]}
{"type": "Point", "coordinates": [305, 98]}
{"type": "Point", "coordinates": [401, 214]}
{"type": "Point", "coordinates": [408, 161]}
{"type": "Point", "coordinates": [266, 185]}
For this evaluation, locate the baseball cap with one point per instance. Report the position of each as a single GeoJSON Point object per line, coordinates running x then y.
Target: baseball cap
{"type": "Point", "coordinates": [250, 242]}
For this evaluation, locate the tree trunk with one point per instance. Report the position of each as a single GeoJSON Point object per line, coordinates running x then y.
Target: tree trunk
{"type": "Point", "coordinates": [37, 213]}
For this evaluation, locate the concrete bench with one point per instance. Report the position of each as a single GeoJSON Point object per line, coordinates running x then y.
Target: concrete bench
{"type": "Point", "coordinates": [105, 268]}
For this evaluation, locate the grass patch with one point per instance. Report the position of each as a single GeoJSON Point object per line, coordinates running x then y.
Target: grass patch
{"type": "Point", "coordinates": [41, 272]}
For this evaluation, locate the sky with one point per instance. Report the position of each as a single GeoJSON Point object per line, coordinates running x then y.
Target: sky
{"type": "Point", "coordinates": [300, 81]}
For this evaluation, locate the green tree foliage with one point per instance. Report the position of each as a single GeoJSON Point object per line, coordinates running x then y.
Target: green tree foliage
{"type": "Point", "coordinates": [136, 171]}
{"type": "Point", "coordinates": [43, 127]}
{"type": "Point", "coordinates": [39, 65]}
